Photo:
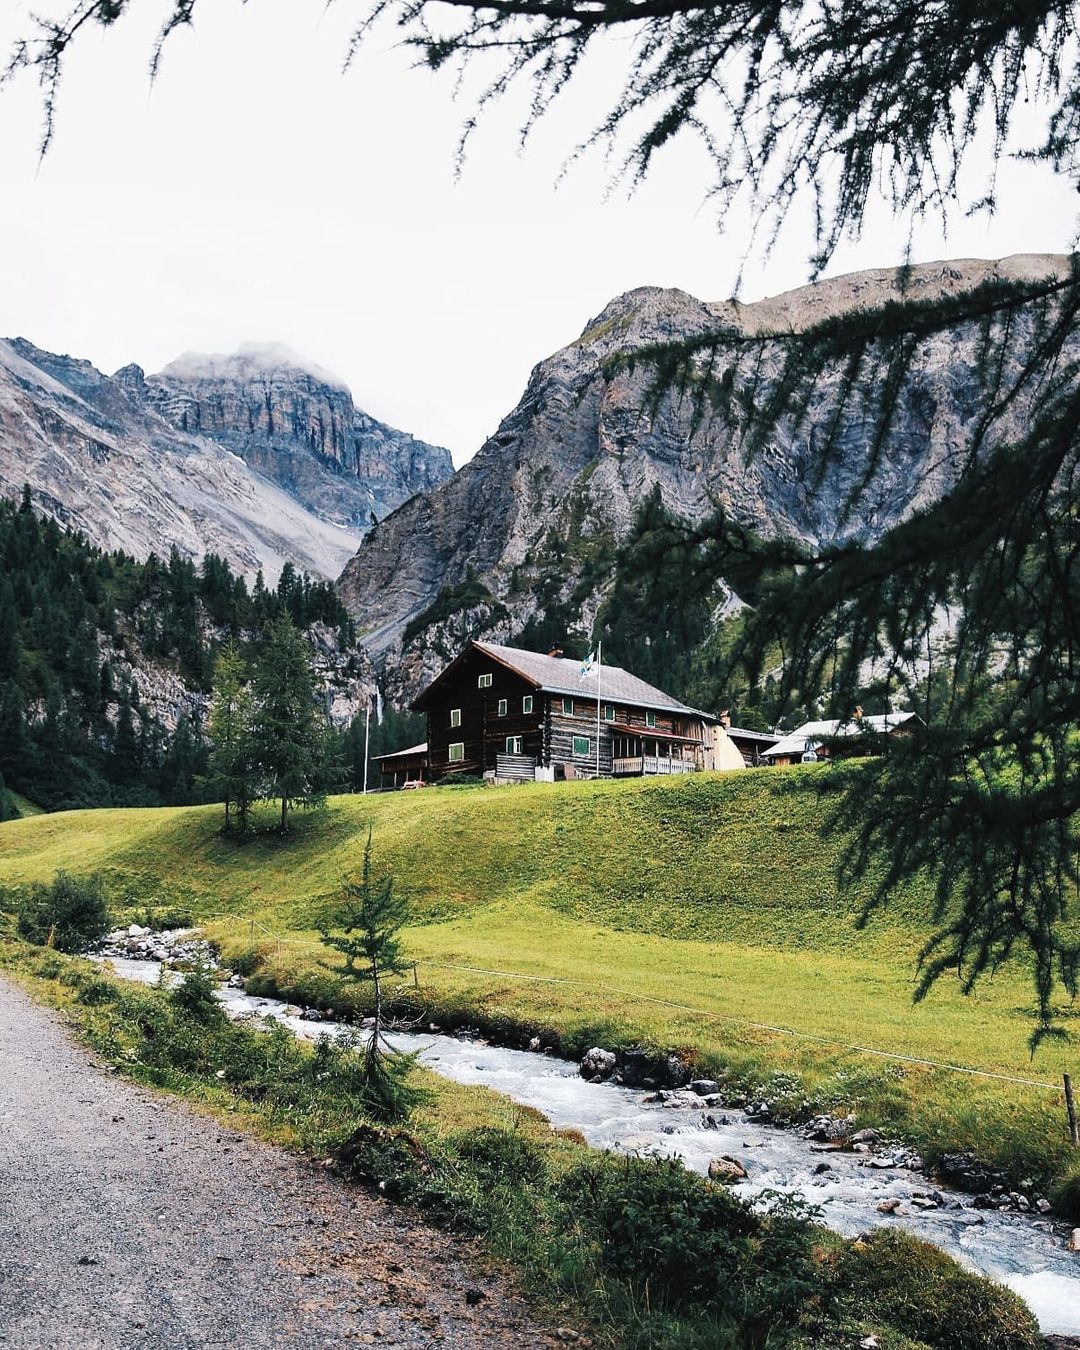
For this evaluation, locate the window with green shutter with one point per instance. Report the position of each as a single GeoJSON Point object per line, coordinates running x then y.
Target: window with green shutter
{"type": "Point", "coordinates": [568, 707]}
{"type": "Point", "coordinates": [457, 752]}
{"type": "Point", "coordinates": [455, 717]}
{"type": "Point", "coordinates": [502, 708]}
{"type": "Point", "coordinates": [582, 746]}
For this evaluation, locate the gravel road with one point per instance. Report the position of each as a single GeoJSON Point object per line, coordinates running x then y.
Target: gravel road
{"type": "Point", "coordinates": [129, 1220]}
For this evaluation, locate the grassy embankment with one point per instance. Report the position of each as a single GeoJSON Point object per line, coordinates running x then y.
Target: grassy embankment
{"type": "Point", "coordinates": [676, 912]}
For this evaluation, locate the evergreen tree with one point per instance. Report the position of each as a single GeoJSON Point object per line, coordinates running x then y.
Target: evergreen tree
{"type": "Point", "coordinates": [364, 928]}
{"type": "Point", "coordinates": [289, 738]}
{"type": "Point", "coordinates": [231, 729]}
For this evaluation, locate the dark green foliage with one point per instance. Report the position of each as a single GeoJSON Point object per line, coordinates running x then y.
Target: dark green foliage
{"type": "Point", "coordinates": [73, 731]}
{"type": "Point", "coordinates": [695, 1245]}
{"type": "Point", "coordinates": [895, 1280]}
{"type": "Point", "coordinates": [289, 741]}
{"type": "Point", "coordinates": [195, 997]}
{"type": "Point", "coordinates": [469, 594]}
{"type": "Point", "coordinates": [396, 731]}
{"type": "Point", "coordinates": [658, 611]}
{"type": "Point", "coordinates": [984, 799]}
{"type": "Point", "coordinates": [8, 809]}
{"type": "Point", "coordinates": [69, 913]}
{"type": "Point", "coordinates": [231, 729]}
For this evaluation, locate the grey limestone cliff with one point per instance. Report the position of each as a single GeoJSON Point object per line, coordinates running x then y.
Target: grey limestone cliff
{"type": "Point", "coordinates": [256, 457]}
{"type": "Point", "coordinates": [557, 488]}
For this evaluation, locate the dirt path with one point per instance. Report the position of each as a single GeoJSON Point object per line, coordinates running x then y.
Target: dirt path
{"type": "Point", "coordinates": [127, 1220]}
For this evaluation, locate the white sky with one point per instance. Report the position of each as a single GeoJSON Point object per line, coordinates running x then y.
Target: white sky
{"type": "Point", "coordinates": [257, 193]}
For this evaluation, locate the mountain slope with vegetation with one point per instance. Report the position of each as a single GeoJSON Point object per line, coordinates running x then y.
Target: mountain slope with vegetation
{"type": "Point", "coordinates": [106, 662]}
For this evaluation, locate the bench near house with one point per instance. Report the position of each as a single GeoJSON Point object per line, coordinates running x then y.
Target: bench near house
{"type": "Point", "coordinates": [511, 715]}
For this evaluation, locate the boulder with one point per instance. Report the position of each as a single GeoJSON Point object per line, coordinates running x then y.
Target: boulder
{"type": "Point", "coordinates": [827, 1129]}
{"type": "Point", "coordinates": [968, 1174]}
{"type": "Point", "coordinates": [1073, 1244]}
{"type": "Point", "coordinates": [726, 1170]}
{"type": "Point", "coordinates": [597, 1063]}
{"type": "Point", "coordinates": [704, 1087]}
{"type": "Point", "coordinates": [637, 1069]}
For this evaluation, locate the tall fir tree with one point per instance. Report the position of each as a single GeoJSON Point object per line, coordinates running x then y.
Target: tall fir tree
{"type": "Point", "coordinates": [290, 736]}
{"type": "Point", "coordinates": [232, 730]}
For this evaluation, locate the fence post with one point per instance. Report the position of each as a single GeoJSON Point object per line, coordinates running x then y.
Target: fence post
{"type": "Point", "coordinates": [1070, 1107]}
{"type": "Point", "coordinates": [415, 976]}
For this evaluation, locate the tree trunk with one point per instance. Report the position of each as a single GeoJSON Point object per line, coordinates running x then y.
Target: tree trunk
{"type": "Point", "coordinates": [284, 812]}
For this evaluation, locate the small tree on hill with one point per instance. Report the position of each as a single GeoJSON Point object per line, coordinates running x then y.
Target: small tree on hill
{"type": "Point", "coordinates": [290, 741]}
{"type": "Point", "coordinates": [231, 728]}
{"type": "Point", "coordinates": [370, 916]}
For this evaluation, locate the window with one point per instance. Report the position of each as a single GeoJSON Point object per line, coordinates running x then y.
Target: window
{"type": "Point", "coordinates": [609, 712]}
{"type": "Point", "coordinates": [484, 682]}
{"type": "Point", "coordinates": [527, 703]}
{"type": "Point", "coordinates": [514, 745]}
{"type": "Point", "coordinates": [455, 717]}
{"type": "Point", "coordinates": [502, 708]}
{"type": "Point", "coordinates": [650, 719]}
{"type": "Point", "coordinates": [568, 706]}
{"type": "Point", "coordinates": [582, 746]}
{"type": "Point", "coordinates": [457, 752]}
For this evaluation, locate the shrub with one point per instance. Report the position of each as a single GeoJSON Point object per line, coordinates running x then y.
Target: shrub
{"type": "Point", "coordinates": [687, 1244]}
{"type": "Point", "coordinates": [69, 913]}
{"type": "Point", "coordinates": [1066, 1196]}
{"type": "Point", "coordinates": [895, 1279]}
{"type": "Point", "coordinates": [195, 996]}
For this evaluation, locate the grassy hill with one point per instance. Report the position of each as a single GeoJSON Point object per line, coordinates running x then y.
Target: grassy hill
{"type": "Point", "coordinates": [699, 913]}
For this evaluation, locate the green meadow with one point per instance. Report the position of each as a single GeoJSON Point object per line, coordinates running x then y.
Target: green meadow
{"type": "Point", "coordinates": [699, 914]}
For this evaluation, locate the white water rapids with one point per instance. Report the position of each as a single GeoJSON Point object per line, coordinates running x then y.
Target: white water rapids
{"type": "Point", "coordinates": [1024, 1252]}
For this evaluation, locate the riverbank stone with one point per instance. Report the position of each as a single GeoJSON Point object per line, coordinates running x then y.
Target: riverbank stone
{"type": "Point", "coordinates": [597, 1063]}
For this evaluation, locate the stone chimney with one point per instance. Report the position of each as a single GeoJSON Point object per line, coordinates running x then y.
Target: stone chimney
{"type": "Point", "coordinates": [725, 718]}
{"type": "Point", "coordinates": [857, 713]}
{"type": "Point", "coordinates": [555, 651]}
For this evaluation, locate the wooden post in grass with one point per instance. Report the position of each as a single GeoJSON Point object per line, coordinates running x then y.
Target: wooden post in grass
{"type": "Point", "coordinates": [1070, 1107]}
{"type": "Point", "coordinates": [415, 976]}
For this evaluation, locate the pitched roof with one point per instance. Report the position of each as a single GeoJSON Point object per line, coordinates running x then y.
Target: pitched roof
{"type": "Point", "coordinates": [560, 675]}
{"type": "Point", "coordinates": [795, 742]}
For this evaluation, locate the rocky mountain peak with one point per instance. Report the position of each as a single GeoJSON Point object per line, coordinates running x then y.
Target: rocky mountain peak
{"type": "Point", "coordinates": [293, 421]}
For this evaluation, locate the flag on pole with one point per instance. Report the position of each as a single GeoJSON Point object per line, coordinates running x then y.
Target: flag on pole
{"type": "Point", "coordinates": [587, 666]}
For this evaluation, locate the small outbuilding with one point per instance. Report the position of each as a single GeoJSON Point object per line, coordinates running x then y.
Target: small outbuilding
{"type": "Point", "coordinates": [836, 739]}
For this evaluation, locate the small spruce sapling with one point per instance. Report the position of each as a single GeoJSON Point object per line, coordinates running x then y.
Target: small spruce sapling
{"type": "Point", "coordinates": [368, 921]}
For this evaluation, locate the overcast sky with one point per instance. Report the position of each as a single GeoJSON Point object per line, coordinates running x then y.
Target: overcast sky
{"type": "Point", "coordinates": [257, 193]}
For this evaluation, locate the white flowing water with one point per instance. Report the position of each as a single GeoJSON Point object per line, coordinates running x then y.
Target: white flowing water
{"type": "Point", "coordinates": [1024, 1252]}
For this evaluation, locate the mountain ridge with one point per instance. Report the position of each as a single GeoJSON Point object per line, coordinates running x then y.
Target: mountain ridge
{"type": "Point", "coordinates": [112, 457]}
{"type": "Point", "coordinates": [531, 525]}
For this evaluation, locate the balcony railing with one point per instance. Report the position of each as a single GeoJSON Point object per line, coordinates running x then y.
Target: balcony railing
{"type": "Point", "coordinates": [651, 764]}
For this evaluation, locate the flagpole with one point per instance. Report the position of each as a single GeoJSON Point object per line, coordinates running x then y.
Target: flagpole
{"type": "Point", "coordinates": [599, 662]}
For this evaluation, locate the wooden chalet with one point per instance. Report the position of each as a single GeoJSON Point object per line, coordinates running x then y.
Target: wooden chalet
{"type": "Point", "coordinates": [514, 716]}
